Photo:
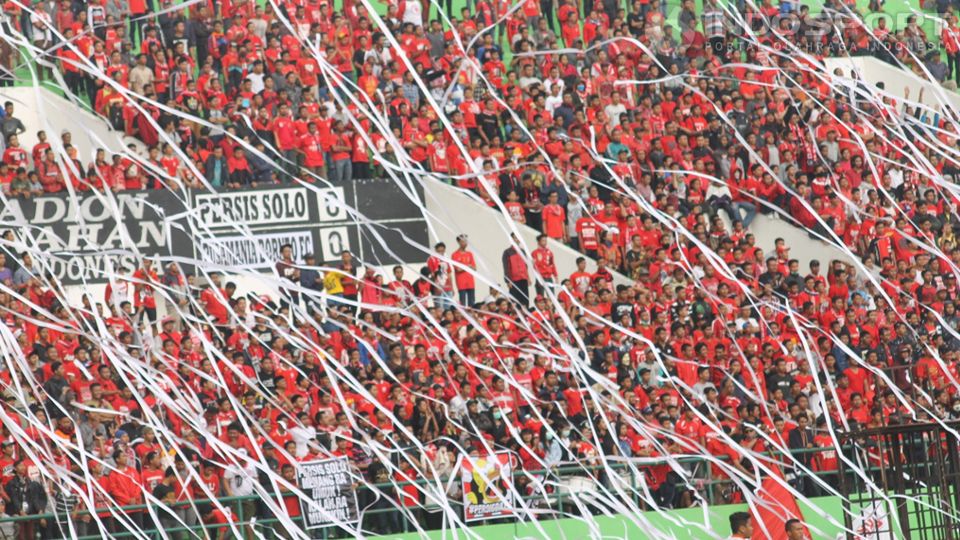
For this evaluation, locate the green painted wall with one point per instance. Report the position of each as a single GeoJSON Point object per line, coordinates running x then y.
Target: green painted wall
{"type": "Point", "coordinates": [823, 516]}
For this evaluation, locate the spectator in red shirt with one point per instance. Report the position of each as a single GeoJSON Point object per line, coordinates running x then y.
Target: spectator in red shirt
{"type": "Point", "coordinates": [515, 272]}
{"type": "Point", "coordinates": [464, 270]}
{"type": "Point", "coordinates": [544, 264]}
{"type": "Point", "coordinates": [554, 219]}
{"type": "Point", "coordinates": [341, 164]}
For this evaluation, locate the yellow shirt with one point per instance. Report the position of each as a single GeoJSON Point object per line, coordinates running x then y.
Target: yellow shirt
{"type": "Point", "coordinates": [333, 282]}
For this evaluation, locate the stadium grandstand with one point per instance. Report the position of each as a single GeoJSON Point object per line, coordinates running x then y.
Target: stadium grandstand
{"type": "Point", "coordinates": [645, 269]}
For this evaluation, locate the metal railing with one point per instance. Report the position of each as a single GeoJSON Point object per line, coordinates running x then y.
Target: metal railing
{"type": "Point", "coordinates": [556, 505]}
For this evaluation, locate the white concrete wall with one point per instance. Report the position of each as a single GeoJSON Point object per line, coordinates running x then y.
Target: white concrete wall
{"type": "Point", "coordinates": [40, 109]}
{"type": "Point", "coordinates": [873, 71]}
{"type": "Point", "coordinates": [451, 213]}
{"type": "Point", "coordinates": [802, 247]}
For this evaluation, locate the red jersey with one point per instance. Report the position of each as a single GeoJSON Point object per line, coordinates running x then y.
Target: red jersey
{"type": "Point", "coordinates": [543, 263]}
{"type": "Point", "coordinates": [464, 278]}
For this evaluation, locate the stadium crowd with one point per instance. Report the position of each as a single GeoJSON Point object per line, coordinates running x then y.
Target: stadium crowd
{"type": "Point", "coordinates": [587, 121]}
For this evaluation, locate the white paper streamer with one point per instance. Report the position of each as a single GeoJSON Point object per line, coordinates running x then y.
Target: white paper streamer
{"type": "Point", "coordinates": [161, 393]}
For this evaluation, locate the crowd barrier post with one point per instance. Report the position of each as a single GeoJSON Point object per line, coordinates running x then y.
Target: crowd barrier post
{"type": "Point", "coordinates": [709, 483]}
{"type": "Point", "coordinates": [633, 484]}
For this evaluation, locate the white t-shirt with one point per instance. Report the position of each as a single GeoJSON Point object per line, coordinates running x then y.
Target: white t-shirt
{"type": "Point", "coordinates": [301, 436]}
{"type": "Point", "coordinates": [41, 26]}
{"type": "Point", "coordinates": [552, 103]}
{"type": "Point", "coordinates": [413, 13]}
{"type": "Point", "coordinates": [240, 478]}
{"type": "Point", "coordinates": [257, 80]}
{"type": "Point", "coordinates": [613, 113]}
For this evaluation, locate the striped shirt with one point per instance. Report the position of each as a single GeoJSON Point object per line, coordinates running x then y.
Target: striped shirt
{"type": "Point", "coordinates": [713, 22]}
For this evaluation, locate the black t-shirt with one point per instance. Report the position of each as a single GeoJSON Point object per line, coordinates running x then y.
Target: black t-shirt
{"type": "Point", "coordinates": [783, 382]}
{"type": "Point", "coordinates": [619, 309]}
{"type": "Point", "coordinates": [631, 257]}
{"type": "Point", "coordinates": [773, 278]}
{"type": "Point", "coordinates": [636, 23]}
{"type": "Point", "coordinates": [359, 57]}
{"type": "Point", "coordinates": [489, 124]}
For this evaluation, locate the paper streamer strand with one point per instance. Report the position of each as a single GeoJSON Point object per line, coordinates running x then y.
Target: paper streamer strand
{"type": "Point", "coordinates": [618, 391]}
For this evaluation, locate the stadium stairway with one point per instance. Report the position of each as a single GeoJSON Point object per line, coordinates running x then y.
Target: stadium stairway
{"type": "Point", "coordinates": [452, 211]}
{"type": "Point", "coordinates": [41, 109]}
{"type": "Point", "coordinates": [872, 72]}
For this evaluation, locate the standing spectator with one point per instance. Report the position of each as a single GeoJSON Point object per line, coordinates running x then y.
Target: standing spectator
{"type": "Point", "coordinates": [712, 19]}
{"type": "Point", "coordinates": [9, 124]}
{"type": "Point", "coordinates": [950, 37]}
{"type": "Point", "coordinates": [801, 439]}
{"type": "Point", "coordinates": [614, 109]}
{"type": "Point", "coordinates": [25, 497]}
{"type": "Point", "coordinates": [515, 272]}
{"type": "Point", "coordinates": [216, 168]}
{"type": "Point", "coordinates": [42, 27]}
{"type": "Point", "coordinates": [144, 300]}
{"type": "Point", "coordinates": [543, 263]}
{"type": "Point", "coordinates": [177, 297]}
{"type": "Point", "coordinates": [25, 272]}
{"type": "Point", "coordinates": [8, 52]}
{"type": "Point", "coordinates": [125, 487]}
{"type": "Point", "coordinates": [285, 140]}
{"type": "Point", "coordinates": [360, 157]}
{"type": "Point", "coordinates": [347, 270]}
{"type": "Point", "coordinates": [290, 275]}
{"type": "Point", "coordinates": [441, 273]}
{"type": "Point", "coordinates": [239, 480]}
{"type": "Point", "coordinates": [465, 272]}
{"type": "Point", "coordinates": [311, 146]}
{"type": "Point", "coordinates": [555, 218]}
{"type": "Point", "coordinates": [14, 156]}
{"type": "Point", "coordinates": [239, 171]}
{"type": "Point", "coordinates": [341, 166]}
{"type": "Point", "coordinates": [938, 70]}
{"type": "Point", "coordinates": [141, 75]}
{"type": "Point", "coordinates": [310, 277]}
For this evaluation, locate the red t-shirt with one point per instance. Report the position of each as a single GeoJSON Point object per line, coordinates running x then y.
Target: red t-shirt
{"type": "Point", "coordinates": [554, 220]}
{"type": "Point", "coordinates": [465, 280]}
{"type": "Point", "coordinates": [286, 133]}
{"type": "Point", "coordinates": [310, 145]}
{"type": "Point", "coordinates": [342, 140]}
{"type": "Point", "coordinates": [858, 380]}
{"type": "Point", "coordinates": [543, 263]}
{"type": "Point", "coordinates": [587, 232]}
{"type": "Point", "coordinates": [215, 307]}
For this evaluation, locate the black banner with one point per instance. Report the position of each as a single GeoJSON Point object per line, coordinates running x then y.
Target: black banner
{"type": "Point", "coordinates": [86, 237]}
{"type": "Point", "coordinates": [328, 486]}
